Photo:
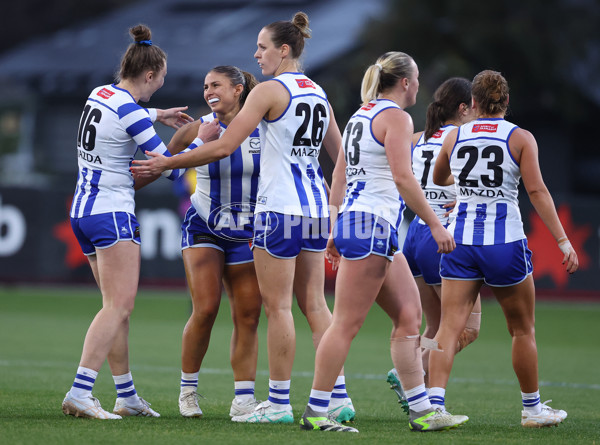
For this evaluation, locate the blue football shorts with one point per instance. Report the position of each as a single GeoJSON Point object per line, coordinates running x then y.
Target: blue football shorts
{"type": "Point", "coordinates": [105, 230]}
{"type": "Point", "coordinates": [284, 236]}
{"type": "Point", "coordinates": [359, 234]}
{"type": "Point", "coordinates": [195, 232]}
{"type": "Point", "coordinates": [497, 265]}
{"type": "Point", "coordinates": [420, 250]}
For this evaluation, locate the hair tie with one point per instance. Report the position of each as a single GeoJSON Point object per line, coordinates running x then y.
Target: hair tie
{"type": "Point", "coordinates": [145, 42]}
{"type": "Point", "coordinates": [378, 65]}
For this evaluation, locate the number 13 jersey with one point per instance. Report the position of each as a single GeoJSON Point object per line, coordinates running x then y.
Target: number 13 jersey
{"type": "Point", "coordinates": [370, 184]}
{"type": "Point", "coordinates": [487, 180]}
{"type": "Point", "coordinates": [291, 181]}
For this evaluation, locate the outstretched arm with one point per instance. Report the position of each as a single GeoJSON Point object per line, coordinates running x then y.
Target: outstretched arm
{"type": "Point", "coordinates": [256, 106]}
{"type": "Point", "coordinates": [173, 117]}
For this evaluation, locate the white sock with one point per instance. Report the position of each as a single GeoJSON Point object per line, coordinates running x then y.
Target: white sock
{"type": "Point", "coordinates": [339, 393]}
{"type": "Point", "coordinates": [531, 402]}
{"type": "Point", "coordinates": [189, 382]}
{"type": "Point", "coordinates": [417, 399]}
{"type": "Point", "coordinates": [244, 390]}
{"type": "Point", "coordinates": [125, 388]}
{"type": "Point", "coordinates": [279, 392]}
{"type": "Point", "coordinates": [319, 401]}
{"type": "Point", "coordinates": [437, 397]}
{"type": "Point", "coordinates": [83, 383]}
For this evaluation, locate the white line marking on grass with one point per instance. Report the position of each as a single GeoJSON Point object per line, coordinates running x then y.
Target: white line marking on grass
{"type": "Point", "coordinates": [305, 374]}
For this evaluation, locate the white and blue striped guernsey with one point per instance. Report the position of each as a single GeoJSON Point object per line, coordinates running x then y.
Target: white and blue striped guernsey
{"type": "Point", "coordinates": [229, 186]}
{"type": "Point", "coordinates": [370, 184]}
{"type": "Point", "coordinates": [112, 128]}
{"type": "Point", "coordinates": [487, 179]}
{"type": "Point", "coordinates": [424, 155]}
{"type": "Point", "coordinates": [291, 180]}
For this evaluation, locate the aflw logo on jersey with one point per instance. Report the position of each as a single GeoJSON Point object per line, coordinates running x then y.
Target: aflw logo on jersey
{"type": "Point", "coordinates": [368, 106]}
{"type": "Point", "coordinates": [438, 134]}
{"type": "Point", "coordinates": [305, 83]}
{"type": "Point", "coordinates": [105, 94]}
{"type": "Point", "coordinates": [486, 128]}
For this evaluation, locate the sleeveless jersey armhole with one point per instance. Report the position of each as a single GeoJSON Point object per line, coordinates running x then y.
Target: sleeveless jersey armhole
{"type": "Point", "coordinates": [286, 108]}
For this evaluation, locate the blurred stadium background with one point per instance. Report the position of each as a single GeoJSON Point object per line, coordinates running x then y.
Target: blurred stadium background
{"type": "Point", "coordinates": [53, 53]}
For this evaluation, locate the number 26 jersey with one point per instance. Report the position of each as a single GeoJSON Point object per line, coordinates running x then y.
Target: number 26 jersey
{"type": "Point", "coordinates": [291, 181]}
{"type": "Point", "coordinates": [487, 179]}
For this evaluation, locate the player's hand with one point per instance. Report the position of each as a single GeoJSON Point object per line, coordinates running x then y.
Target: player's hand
{"type": "Point", "coordinates": [209, 131]}
{"type": "Point", "coordinates": [154, 165]}
{"type": "Point", "coordinates": [450, 207]}
{"type": "Point", "coordinates": [443, 238]}
{"type": "Point", "coordinates": [570, 256]}
{"type": "Point", "coordinates": [173, 117]}
{"type": "Point", "coordinates": [332, 255]}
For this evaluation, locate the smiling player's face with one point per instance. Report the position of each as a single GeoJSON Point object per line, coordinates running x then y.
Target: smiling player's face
{"type": "Point", "coordinates": [220, 95]}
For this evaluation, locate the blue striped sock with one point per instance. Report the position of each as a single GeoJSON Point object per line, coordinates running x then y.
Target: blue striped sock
{"type": "Point", "coordinates": [531, 402]}
{"type": "Point", "coordinates": [83, 383]}
{"type": "Point", "coordinates": [279, 391]}
{"type": "Point", "coordinates": [339, 393]}
{"type": "Point", "coordinates": [437, 397]}
{"type": "Point", "coordinates": [244, 390]}
{"type": "Point", "coordinates": [417, 398]}
{"type": "Point", "coordinates": [319, 401]}
{"type": "Point", "coordinates": [125, 388]}
{"type": "Point", "coordinates": [189, 381]}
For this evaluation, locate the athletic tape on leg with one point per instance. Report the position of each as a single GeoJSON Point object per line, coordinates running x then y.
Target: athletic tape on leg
{"type": "Point", "coordinates": [429, 343]}
{"type": "Point", "coordinates": [474, 321]}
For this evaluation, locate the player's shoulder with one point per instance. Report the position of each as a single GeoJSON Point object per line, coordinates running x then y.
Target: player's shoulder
{"type": "Point", "coordinates": [415, 137]}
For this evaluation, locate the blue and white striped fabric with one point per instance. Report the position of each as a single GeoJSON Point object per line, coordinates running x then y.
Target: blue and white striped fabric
{"type": "Point", "coordinates": [292, 182]}
{"type": "Point", "coordinates": [111, 129]}
{"type": "Point", "coordinates": [424, 155]}
{"type": "Point", "coordinates": [226, 190]}
{"type": "Point", "coordinates": [487, 179]}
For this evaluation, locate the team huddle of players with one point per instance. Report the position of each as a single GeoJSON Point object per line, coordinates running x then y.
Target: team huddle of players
{"type": "Point", "coordinates": [258, 152]}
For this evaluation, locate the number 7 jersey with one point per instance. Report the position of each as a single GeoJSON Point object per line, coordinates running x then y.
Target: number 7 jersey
{"type": "Point", "coordinates": [487, 180]}
{"type": "Point", "coordinates": [291, 181]}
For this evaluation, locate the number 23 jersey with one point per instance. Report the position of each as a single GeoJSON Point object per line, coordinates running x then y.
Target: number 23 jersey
{"type": "Point", "coordinates": [487, 180]}
{"type": "Point", "coordinates": [291, 181]}
{"type": "Point", "coordinates": [370, 184]}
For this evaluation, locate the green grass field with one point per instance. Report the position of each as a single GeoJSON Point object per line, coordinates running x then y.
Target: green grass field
{"type": "Point", "coordinates": [42, 331]}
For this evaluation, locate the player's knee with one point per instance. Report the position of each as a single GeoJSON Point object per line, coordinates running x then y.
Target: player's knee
{"type": "Point", "coordinates": [247, 319]}
{"type": "Point", "coordinates": [205, 313]}
{"type": "Point", "coordinates": [468, 336]}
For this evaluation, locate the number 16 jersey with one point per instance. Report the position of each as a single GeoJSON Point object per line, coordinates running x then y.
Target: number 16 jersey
{"type": "Point", "coordinates": [291, 181]}
{"type": "Point", "coordinates": [487, 180]}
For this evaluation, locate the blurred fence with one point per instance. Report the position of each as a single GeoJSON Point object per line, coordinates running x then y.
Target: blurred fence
{"type": "Point", "coordinates": [38, 246]}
